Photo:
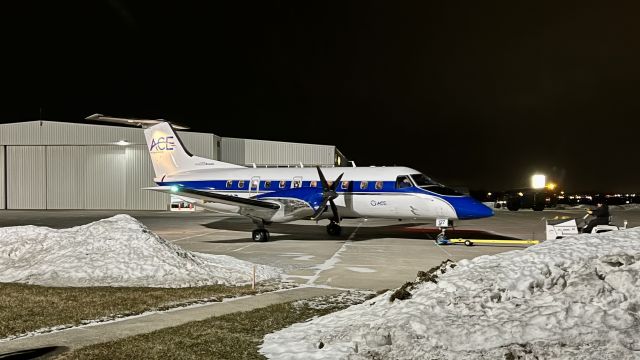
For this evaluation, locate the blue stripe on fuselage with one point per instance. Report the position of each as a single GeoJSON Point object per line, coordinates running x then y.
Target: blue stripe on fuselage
{"type": "Point", "coordinates": [465, 206]}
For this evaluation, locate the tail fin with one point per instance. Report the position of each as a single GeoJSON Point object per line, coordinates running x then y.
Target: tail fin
{"type": "Point", "coordinates": [169, 156]}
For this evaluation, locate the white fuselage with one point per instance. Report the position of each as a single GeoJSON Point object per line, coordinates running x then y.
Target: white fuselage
{"type": "Point", "coordinates": [370, 192]}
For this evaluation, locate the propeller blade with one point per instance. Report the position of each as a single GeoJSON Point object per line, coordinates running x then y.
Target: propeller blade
{"type": "Point", "coordinates": [334, 209]}
{"type": "Point", "coordinates": [334, 186]}
{"type": "Point", "coordinates": [328, 194]}
{"type": "Point", "coordinates": [321, 209]}
{"type": "Point", "coordinates": [323, 180]}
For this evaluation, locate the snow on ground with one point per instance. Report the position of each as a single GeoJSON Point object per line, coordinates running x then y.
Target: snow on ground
{"type": "Point", "coordinates": [118, 251]}
{"type": "Point", "coordinates": [569, 298]}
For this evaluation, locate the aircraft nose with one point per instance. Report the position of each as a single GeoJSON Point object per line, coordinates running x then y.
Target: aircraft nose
{"type": "Point", "coordinates": [473, 209]}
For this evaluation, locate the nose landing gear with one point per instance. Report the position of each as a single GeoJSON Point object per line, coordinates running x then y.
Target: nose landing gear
{"type": "Point", "coordinates": [334, 229]}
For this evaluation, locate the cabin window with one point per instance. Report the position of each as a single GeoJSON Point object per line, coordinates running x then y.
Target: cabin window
{"type": "Point", "coordinates": [254, 184]}
{"type": "Point", "coordinates": [267, 184]}
{"type": "Point", "coordinates": [330, 183]}
{"type": "Point", "coordinates": [297, 183]}
{"type": "Point", "coordinates": [229, 183]}
{"type": "Point", "coordinates": [283, 183]}
{"type": "Point", "coordinates": [241, 184]}
{"type": "Point", "coordinates": [313, 183]}
{"type": "Point", "coordinates": [403, 182]}
{"type": "Point", "coordinates": [364, 185]}
{"type": "Point", "coordinates": [345, 185]}
{"type": "Point", "coordinates": [378, 185]}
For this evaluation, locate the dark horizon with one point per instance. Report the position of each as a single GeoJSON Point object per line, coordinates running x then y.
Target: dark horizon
{"type": "Point", "coordinates": [477, 95]}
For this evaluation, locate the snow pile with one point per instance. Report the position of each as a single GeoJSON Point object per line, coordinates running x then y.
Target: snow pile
{"type": "Point", "coordinates": [568, 298]}
{"type": "Point", "coordinates": [118, 251]}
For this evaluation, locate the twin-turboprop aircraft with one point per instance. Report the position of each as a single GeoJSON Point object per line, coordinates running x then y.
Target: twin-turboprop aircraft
{"type": "Point", "coordinates": [268, 195]}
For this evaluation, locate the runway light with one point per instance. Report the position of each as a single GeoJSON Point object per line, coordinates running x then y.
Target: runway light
{"type": "Point", "coordinates": [538, 181]}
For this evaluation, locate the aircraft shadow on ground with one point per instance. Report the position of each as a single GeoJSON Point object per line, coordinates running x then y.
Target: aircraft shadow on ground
{"type": "Point", "coordinates": [318, 232]}
{"type": "Point", "coordinates": [47, 352]}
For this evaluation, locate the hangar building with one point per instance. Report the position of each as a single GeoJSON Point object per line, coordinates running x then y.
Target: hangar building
{"type": "Point", "coordinates": [56, 165]}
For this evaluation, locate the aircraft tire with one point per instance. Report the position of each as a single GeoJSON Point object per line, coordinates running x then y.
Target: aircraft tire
{"type": "Point", "coordinates": [334, 229]}
{"type": "Point", "coordinates": [260, 235]}
{"type": "Point", "coordinates": [468, 243]}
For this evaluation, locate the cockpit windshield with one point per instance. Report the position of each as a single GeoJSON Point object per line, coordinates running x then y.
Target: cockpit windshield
{"type": "Point", "coordinates": [427, 183]}
{"type": "Point", "coordinates": [423, 180]}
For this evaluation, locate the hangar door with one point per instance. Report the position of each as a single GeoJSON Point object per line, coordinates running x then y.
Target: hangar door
{"type": "Point", "coordinates": [26, 177]}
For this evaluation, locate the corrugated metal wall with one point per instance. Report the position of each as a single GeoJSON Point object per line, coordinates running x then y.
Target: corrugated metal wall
{"type": "Point", "coordinates": [65, 177]}
{"type": "Point", "coordinates": [140, 175]}
{"type": "Point", "coordinates": [57, 133]}
{"type": "Point", "coordinates": [283, 153]}
{"type": "Point", "coordinates": [76, 166]}
{"type": "Point", "coordinates": [232, 151]}
{"type": "Point", "coordinates": [247, 152]}
{"type": "Point", "coordinates": [80, 168]}
{"type": "Point", "coordinates": [2, 184]}
{"type": "Point", "coordinates": [105, 177]}
{"type": "Point", "coordinates": [26, 177]}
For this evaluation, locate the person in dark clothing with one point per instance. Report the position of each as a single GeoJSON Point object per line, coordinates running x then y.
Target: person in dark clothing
{"type": "Point", "coordinates": [601, 214]}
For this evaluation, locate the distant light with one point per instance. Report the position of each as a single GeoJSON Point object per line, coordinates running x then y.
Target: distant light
{"type": "Point", "coordinates": [562, 192]}
{"type": "Point", "coordinates": [488, 194]}
{"type": "Point", "coordinates": [551, 186]}
{"type": "Point", "coordinates": [123, 143]}
{"type": "Point", "coordinates": [174, 188]}
{"type": "Point", "coordinates": [538, 181]}
{"type": "Point", "coordinates": [520, 194]}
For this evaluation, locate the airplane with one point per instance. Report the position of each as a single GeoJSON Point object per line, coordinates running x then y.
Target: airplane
{"type": "Point", "coordinates": [278, 195]}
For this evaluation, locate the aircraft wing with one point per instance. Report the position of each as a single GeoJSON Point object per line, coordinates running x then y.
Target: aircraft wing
{"type": "Point", "coordinates": [284, 205]}
{"type": "Point", "coordinates": [249, 204]}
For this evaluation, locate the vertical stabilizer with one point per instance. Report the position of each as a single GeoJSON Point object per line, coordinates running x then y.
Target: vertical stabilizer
{"type": "Point", "coordinates": [169, 156]}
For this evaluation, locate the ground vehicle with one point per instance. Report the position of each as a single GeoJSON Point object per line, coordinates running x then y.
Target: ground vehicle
{"type": "Point", "coordinates": [536, 199]}
{"type": "Point", "coordinates": [559, 228]}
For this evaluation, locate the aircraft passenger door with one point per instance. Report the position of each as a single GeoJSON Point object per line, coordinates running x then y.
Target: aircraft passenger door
{"type": "Point", "coordinates": [254, 186]}
{"type": "Point", "coordinates": [297, 182]}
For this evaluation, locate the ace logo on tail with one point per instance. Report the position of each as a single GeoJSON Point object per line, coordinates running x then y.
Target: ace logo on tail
{"type": "Point", "coordinates": [162, 143]}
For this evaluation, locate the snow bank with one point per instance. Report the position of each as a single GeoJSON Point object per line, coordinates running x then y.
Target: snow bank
{"type": "Point", "coordinates": [118, 251]}
{"type": "Point", "coordinates": [568, 298]}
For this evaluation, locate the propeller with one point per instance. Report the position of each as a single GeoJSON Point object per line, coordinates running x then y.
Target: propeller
{"type": "Point", "coordinates": [328, 194]}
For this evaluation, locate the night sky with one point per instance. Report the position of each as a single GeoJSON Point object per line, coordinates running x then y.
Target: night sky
{"type": "Point", "coordinates": [474, 94]}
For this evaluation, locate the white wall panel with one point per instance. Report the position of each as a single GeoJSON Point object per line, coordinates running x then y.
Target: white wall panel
{"type": "Point", "coordinates": [200, 144]}
{"type": "Point", "coordinates": [2, 182]}
{"type": "Point", "coordinates": [26, 177]}
{"type": "Point", "coordinates": [284, 153]}
{"type": "Point", "coordinates": [105, 177]}
{"type": "Point", "coordinates": [232, 151]}
{"type": "Point", "coordinates": [65, 177]}
{"type": "Point", "coordinates": [139, 175]}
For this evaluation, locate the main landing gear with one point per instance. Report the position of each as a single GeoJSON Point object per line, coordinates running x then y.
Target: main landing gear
{"type": "Point", "coordinates": [334, 229]}
{"type": "Point", "coordinates": [260, 234]}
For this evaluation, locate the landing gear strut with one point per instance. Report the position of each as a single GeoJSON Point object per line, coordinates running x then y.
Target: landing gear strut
{"type": "Point", "coordinates": [260, 234]}
{"type": "Point", "coordinates": [334, 229]}
{"type": "Point", "coordinates": [442, 239]}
